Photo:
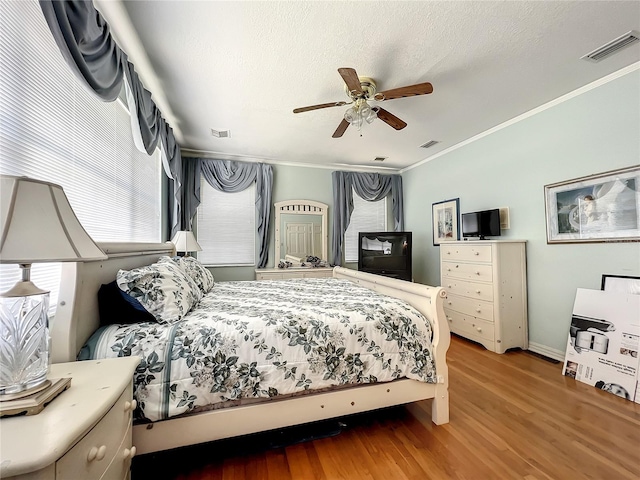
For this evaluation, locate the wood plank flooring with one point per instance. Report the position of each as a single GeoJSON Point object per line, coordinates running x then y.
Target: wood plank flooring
{"type": "Point", "coordinates": [513, 416]}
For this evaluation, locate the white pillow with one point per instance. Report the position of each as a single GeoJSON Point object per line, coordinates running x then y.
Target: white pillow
{"type": "Point", "coordinates": [162, 288]}
{"type": "Point", "coordinates": [198, 272]}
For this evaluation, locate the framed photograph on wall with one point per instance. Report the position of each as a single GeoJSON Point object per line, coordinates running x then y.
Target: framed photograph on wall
{"type": "Point", "coordinates": [598, 208]}
{"type": "Point", "coordinates": [445, 218]}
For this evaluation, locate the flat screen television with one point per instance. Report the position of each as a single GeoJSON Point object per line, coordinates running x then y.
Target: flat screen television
{"type": "Point", "coordinates": [385, 253]}
{"type": "Point", "coordinates": [485, 223]}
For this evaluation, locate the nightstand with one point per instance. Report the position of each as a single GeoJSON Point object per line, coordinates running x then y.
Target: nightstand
{"type": "Point", "coordinates": [84, 433]}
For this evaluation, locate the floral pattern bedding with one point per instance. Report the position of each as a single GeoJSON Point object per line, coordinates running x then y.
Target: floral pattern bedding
{"type": "Point", "coordinates": [263, 339]}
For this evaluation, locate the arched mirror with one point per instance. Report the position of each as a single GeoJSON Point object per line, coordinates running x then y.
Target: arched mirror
{"type": "Point", "coordinates": [301, 229]}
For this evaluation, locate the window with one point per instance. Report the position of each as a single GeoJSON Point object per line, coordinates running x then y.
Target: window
{"type": "Point", "coordinates": [227, 226]}
{"type": "Point", "coordinates": [53, 129]}
{"type": "Point", "coordinates": [366, 217]}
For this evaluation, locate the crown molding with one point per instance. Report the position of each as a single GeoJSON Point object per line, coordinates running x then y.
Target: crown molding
{"type": "Point", "coordinates": [598, 83]}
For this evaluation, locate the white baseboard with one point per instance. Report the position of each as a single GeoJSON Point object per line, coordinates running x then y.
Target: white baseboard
{"type": "Point", "coordinates": [547, 351]}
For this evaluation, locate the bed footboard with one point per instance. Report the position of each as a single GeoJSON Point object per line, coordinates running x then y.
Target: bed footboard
{"type": "Point", "coordinates": [430, 302]}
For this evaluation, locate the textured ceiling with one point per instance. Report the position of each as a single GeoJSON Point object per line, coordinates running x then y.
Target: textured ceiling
{"type": "Point", "coordinates": [245, 66]}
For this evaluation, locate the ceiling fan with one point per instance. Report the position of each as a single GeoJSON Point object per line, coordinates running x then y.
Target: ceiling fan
{"type": "Point", "coordinates": [360, 91]}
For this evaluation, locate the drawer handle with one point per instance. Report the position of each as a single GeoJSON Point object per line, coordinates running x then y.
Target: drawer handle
{"type": "Point", "coordinates": [476, 253]}
{"type": "Point", "coordinates": [448, 253]}
{"type": "Point", "coordinates": [477, 291]}
{"type": "Point", "coordinates": [97, 453]}
{"type": "Point", "coordinates": [479, 330]}
{"type": "Point", "coordinates": [450, 319]}
{"type": "Point", "coordinates": [130, 452]}
{"type": "Point", "coordinates": [448, 286]}
{"type": "Point", "coordinates": [478, 310]}
{"type": "Point", "coordinates": [449, 302]}
{"type": "Point", "coordinates": [132, 405]}
{"type": "Point", "coordinates": [477, 273]}
{"type": "Point", "coordinates": [448, 269]}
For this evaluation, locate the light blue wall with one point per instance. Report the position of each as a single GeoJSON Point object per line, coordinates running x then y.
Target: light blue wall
{"type": "Point", "coordinates": [591, 133]}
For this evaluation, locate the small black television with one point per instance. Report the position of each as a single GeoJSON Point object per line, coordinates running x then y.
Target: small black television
{"type": "Point", "coordinates": [485, 223]}
{"type": "Point", "coordinates": [385, 253]}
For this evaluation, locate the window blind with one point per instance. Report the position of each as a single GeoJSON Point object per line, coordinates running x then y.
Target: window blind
{"type": "Point", "coordinates": [53, 129]}
{"type": "Point", "coordinates": [366, 217]}
{"type": "Point", "coordinates": [227, 226]}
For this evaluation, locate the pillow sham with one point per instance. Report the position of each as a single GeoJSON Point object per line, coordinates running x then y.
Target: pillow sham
{"type": "Point", "coordinates": [162, 288]}
{"type": "Point", "coordinates": [115, 306]}
{"type": "Point", "coordinates": [198, 272]}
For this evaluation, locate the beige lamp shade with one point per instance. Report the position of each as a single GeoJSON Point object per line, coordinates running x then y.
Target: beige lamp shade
{"type": "Point", "coordinates": [37, 224]}
{"type": "Point", "coordinates": [185, 241]}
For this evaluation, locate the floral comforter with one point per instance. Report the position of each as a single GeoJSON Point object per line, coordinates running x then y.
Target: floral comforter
{"type": "Point", "coordinates": [262, 339]}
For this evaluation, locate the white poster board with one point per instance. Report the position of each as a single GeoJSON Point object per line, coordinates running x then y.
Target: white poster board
{"type": "Point", "coordinates": [604, 340]}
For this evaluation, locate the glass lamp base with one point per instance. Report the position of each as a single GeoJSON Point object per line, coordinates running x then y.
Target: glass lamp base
{"type": "Point", "coordinates": [24, 342]}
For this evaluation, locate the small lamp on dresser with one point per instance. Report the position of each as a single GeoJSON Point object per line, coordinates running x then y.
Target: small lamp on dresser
{"type": "Point", "coordinates": [37, 224]}
{"type": "Point", "coordinates": [185, 242]}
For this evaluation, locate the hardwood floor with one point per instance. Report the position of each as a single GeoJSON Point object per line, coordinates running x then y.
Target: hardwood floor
{"type": "Point", "coordinates": [512, 416]}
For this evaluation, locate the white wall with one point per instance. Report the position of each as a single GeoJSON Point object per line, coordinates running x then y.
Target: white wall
{"type": "Point", "coordinates": [591, 133]}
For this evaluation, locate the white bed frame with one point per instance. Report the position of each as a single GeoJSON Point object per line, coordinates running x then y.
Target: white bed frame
{"type": "Point", "coordinates": [77, 318]}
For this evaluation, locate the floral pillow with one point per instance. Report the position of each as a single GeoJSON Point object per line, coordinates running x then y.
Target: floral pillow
{"type": "Point", "coordinates": [163, 289]}
{"type": "Point", "coordinates": [198, 273]}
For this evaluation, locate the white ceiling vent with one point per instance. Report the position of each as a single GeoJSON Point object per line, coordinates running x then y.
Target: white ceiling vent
{"type": "Point", "coordinates": [221, 133]}
{"type": "Point", "coordinates": [379, 159]}
{"type": "Point", "coordinates": [612, 47]}
{"type": "Point", "coordinates": [429, 144]}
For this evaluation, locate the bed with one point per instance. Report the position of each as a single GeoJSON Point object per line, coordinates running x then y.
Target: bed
{"type": "Point", "coordinates": [77, 319]}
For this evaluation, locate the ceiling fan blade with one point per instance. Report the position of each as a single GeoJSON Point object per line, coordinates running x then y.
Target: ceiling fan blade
{"type": "Point", "coordinates": [317, 107]}
{"type": "Point", "coordinates": [341, 128]}
{"type": "Point", "coordinates": [350, 77]}
{"type": "Point", "coordinates": [409, 91]}
{"type": "Point", "coordinates": [390, 118]}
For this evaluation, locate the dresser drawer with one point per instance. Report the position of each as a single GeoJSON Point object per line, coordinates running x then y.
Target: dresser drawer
{"type": "Point", "coordinates": [89, 458]}
{"type": "Point", "coordinates": [466, 253]}
{"type": "Point", "coordinates": [469, 326]}
{"type": "Point", "coordinates": [467, 271]}
{"type": "Point", "coordinates": [476, 308]}
{"type": "Point", "coordinates": [481, 291]}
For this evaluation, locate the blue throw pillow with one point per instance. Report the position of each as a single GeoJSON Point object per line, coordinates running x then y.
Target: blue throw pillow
{"type": "Point", "coordinates": [116, 306]}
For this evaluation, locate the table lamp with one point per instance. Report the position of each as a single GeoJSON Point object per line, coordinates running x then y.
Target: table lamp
{"type": "Point", "coordinates": [186, 242]}
{"type": "Point", "coordinates": [37, 224]}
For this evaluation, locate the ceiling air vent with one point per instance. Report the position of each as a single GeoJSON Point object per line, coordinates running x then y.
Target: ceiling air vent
{"type": "Point", "coordinates": [429, 144]}
{"type": "Point", "coordinates": [612, 47]}
{"type": "Point", "coordinates": [221, 133]}
{"type": "Point", "coordinates": [379, 159]}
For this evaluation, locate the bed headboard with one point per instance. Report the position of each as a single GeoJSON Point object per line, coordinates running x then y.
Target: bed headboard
{"type": "Point", "coordinates": [76, 315]}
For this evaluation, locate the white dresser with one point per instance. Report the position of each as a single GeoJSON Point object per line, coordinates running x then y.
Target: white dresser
{"type": "Point", "coordinates": [293, 272]}
{"type": "Point", "coordinates": [84, 433]}
{"type": "Point", "coordinates": [486, 287]}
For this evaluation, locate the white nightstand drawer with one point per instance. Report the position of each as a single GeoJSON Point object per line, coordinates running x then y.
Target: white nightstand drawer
{"type": "Point", "coordinates": [121, 463]}
{"type": "Point", "coordinates": [89, 458]}
{"type": "Point", "coordinates": [469, 326]}
{"type": "Point", "coordinates": [466, 253]}
{"type": "Point", "coordinates": [481, 291]}
{"type": "Point", "coordinates": [476, 308]}
{"type": "Point", "coordinates": [468, 271]}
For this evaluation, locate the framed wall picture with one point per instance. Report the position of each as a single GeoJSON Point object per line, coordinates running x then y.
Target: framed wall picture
{"type": "Point", "coordinates": [445, 218]}
{"type": "Point", "coordinates": [621, 284]}
{"type": "Point", "coordinates": [598, 208]}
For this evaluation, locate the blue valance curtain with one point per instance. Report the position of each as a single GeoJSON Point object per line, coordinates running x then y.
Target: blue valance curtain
{"type": "Point", "coordinates": [369, 186]}
{"type": "Point", "coordinates": [86, 44]}
{"type": "Point", "coordinates": [231, 176]}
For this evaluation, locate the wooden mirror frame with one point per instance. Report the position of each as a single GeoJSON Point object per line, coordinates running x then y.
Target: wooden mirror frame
{"type": "Point", "coordinates": [302, 207]}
